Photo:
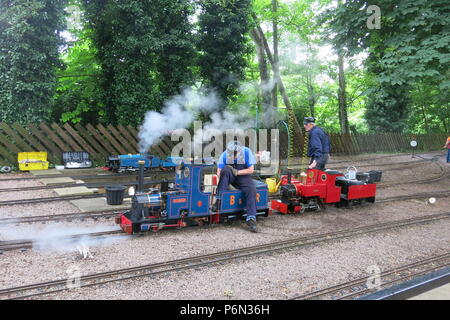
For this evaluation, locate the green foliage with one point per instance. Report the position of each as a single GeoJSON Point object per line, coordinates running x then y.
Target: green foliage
{"type": "Point", "coordinates": [387, 108]}
{"type": "Point", "coordinates": [29, 43]}
{"type": "Point", "coordinates": [135, 48]}
{"type": "Point", "coordinates": [411, 46]}
{"type": "Point", "coordinates": [126, 57]}
{"type": "Point", "coordinates": [78, 96]}
{"type": "Point", "coordinates": [223, 45]}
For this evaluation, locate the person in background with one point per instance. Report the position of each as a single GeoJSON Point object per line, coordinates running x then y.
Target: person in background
{"type": "Point", "coordinates": [235, 167]}
{"type": "Point", "coordinates": [447, 146]}
{"type": "Point", "coordinates": [318, 146]}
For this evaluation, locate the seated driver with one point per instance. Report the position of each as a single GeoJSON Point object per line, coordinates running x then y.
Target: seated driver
{"type": "Point", "coordinates": [235, 167]}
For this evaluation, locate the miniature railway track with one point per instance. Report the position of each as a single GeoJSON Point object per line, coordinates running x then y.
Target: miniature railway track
{"type": "Point", "coordinates": [65, 198]}
{"type": "Point", "coordinates": [358, 287]}
{"type": "Point", "coordinates": [88, 185]}
{"type": "Point", "coordinates": [49, 199]}
{"type": "Point", "coordinates": [442, 175]}
{"type": "Point", "coordinates": [96, 175]}
{"type": "Point", "coordinates": [50, 287]}
{"type": "Point", "coordinates": [89, 176]}
{"type": "Point", "coordinates": [62, 217]}
{"type": "Point", "coordinates": [398, 164]}
{"type": "Point", "coordinates": [28, 243]}
{"type": "Point", "coordinates": [418, 155]}
{"type": "Point", "coordinates": [421, 195]}
{"type": "Point", "coordinates": [387, 156]}
{"type": "Point", "coordinates": [110, 213]}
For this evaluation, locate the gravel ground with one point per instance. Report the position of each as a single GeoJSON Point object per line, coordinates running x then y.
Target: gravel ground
{"type": "Point", "coordinates": [40, 209]}
{"type": "Point", "coordinates": [281, 276]}
{"type": "Point", "coordinates": [173, 244]}
{"type": "Point", "coordinates": [265, 277]}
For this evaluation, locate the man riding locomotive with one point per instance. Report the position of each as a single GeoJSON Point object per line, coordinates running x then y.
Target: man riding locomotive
{"type": "Point", "coordinates": [237, 164]}
{"type": "Point", "coordinates": [235, 167]}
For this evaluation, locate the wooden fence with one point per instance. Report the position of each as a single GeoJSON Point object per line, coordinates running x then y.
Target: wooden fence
{"type": "Point", "coordinates": [353, 144]}
{"type": "Point", "coordinates": [101, 141]}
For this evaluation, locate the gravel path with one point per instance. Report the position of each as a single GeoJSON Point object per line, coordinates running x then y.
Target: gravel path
{"type": "Point", "coordinates": [281, 276]}
{"type": "Point", "coordinates": [273, 277]}
{"type": "Point", "coordinates": [175, 244]}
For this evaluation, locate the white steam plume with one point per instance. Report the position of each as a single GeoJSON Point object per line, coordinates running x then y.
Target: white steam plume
{"type": "Point", "coordinates": [178, 112]}
{"type": "Point", "coordinates": [56, 237]}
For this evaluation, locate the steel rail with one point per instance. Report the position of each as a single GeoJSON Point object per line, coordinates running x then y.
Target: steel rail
{"type": "Point", "coordinates": [208, 259]}
{"type": "Point", "coordinates": [349, 285]}
{"type": "Point", "coordinates": [404, 278]}
{"type": "Point", "coordinates": [61, 217]}
{"type": "Point", "coordinates": [28, 243]}
{"type": "Point", "coordinates": [70, 185]}
{"type": "Point", "coordinates": [108, 213]}
{"type": "Point", "coordinates": [91, 176]}
{"type": "Point", "coordinates": [64, 198]}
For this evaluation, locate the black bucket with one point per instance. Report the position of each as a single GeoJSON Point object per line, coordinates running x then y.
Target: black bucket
{"type": "Point", "coordinates": [364, 177]}
{"type": "Point", "coordinates": [375, 176]}
{"type": "Point", "coordinates": [115, 194]}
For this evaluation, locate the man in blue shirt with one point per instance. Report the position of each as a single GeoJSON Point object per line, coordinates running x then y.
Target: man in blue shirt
{"type": "Point", "coordinates": [235, 167]}
{"type": "Point", "coordinates": [318, 146]}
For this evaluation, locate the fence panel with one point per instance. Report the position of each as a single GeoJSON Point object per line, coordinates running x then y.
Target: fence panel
{"type": "Point", "coordinates": [102, 141]}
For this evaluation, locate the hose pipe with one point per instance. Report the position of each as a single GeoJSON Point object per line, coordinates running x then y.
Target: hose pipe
{"type": "Point", "coordinates": [6, 169]}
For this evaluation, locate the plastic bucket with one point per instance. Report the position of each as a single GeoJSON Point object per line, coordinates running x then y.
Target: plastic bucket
{"type": "Point", "coordinates": [364, 177]}
{"type": "Point", "coordinates": [115, 195]}
{"type": "Point", "coordinates": [272, 185]}
{"type": "Point", "coordinates": [351, 173]}
{"type": "Point", "coordinates": [375, 176]}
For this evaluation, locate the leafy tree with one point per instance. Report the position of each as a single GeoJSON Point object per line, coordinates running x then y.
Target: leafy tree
{"type": "Point", "coordinates": [131, 37]}
{"type": "Point", "coordinates": [30, 37]}
{"type": "Point", "coordinates": [412, 45]}
{"type": "Point", "coordinates": [78, 95]}
{"type": "Point", "coordinates": [177, 55]}
{"type": "Point", "coordinates": [223, 45]}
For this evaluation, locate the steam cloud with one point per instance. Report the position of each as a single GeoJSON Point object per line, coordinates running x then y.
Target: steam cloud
{"type": "Point", "coordinates": [180, 111]}
{"type": "Point", "coordinates": [57, 237]}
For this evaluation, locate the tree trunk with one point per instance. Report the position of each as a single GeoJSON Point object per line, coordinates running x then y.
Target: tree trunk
{"type": "Point", "coordinates": [287, 102]}
{"type": "Point", "coordinates": [342, 96]}
{"type": "Point", "coordinates": [311, 95]}
{"type": "Point", "coordinates": [266, 95]}
{"type": "Point", "coordinates": [425, 122]}
{"type": "Point", "coordinates": [276, 59]}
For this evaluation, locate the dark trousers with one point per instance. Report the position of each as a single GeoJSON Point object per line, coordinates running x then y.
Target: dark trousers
{"type": "Point", "coordinates": [448, 156]}
{"type": "Point", "coordinates": [321, 162]}
{"type": "Point", "coordinates": [244, 183]}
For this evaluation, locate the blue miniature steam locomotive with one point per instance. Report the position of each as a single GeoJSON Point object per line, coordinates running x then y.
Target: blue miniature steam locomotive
{"type": "Point", "coordinates": [187, 203]}
{"type": "Point", "coordinates": [130, 163]}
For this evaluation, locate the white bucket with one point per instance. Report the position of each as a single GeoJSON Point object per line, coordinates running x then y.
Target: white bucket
{"type": "Point", "coordinates": [351, 173]}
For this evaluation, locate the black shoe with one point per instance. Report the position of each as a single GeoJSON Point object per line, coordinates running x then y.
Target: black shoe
{"type": "Point", "coordinates": [252, 225]}
{"type": "Point", "coordinates": [215, 207]}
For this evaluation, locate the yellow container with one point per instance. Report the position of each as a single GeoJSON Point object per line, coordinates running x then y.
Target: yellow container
{"type": "Point", "coordinates": [29, 161]}
{"type": "Point", "coordinates": [272, 184]}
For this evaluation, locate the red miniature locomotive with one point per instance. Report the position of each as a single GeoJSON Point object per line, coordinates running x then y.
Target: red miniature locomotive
{"type": "Point", "coordinates": [317, 188]}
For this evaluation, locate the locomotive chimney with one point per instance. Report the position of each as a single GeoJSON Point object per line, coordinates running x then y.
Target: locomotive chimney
{"type": "Point", "coordinates": [289, 176]}
{"type": "Point", "coordinates": [141, 176]}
